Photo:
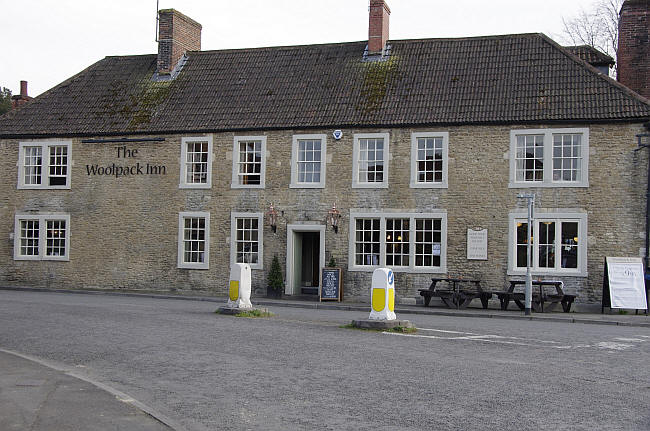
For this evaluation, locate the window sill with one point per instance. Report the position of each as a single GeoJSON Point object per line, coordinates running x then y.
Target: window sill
{"type": "Point", "coordinates": [423, 270]}
{"type": "Point", "coordinates": [370, 185]}
{"type": "Point", "coordinates": [307, 186]}
{"type": "Point", "coordinates": [442, 185]}
{"type": "Point", "coordinates": [195, 186]}
{"type": "Point", "coordinates": [542, 184]}
{"type": "Point", "coordinates": [537, 273]}
{"type": "Point", "coordinates": [246, 186]}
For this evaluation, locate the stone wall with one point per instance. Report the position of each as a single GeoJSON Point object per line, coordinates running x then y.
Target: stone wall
{"type": "Point", "coordinates": [124, 230]}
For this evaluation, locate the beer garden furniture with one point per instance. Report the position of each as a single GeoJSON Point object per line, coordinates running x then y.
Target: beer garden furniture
{"type": "Point", "coordinates": [455, 292]}
{"type": "Point", "coordinates": [539, 296]}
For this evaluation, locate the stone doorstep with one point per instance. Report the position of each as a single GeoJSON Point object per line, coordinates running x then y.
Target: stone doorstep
{"type": "Point", "coordinates": [234, 311]}
{"type": "Point", "coordinates": [381, 324]}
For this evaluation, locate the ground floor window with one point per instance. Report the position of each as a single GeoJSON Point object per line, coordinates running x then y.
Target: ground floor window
{"type": "Point", "coordinates": [558, 243]}
{"type": "Point", "coordinates": [402, 241]}
{"type": "Point", "coordinates": [246, 239]}
{"type": "Point", "coordinates": [42, 237]}
{"type": "Point", "coordinates": [194, 240]}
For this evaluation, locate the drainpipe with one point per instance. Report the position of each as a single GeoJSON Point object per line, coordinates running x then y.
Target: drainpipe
{"type": "Point", "coordinates": [647, 217]}
{"type": "Point", "coordinates": [647, 200]}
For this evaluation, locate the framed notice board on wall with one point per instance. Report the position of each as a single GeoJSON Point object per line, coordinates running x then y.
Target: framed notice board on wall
{"type": "Point", "coordinates": [331, 285]}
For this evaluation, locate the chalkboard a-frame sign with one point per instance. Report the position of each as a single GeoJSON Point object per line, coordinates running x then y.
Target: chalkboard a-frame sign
{"type": "Point", "coordinates": [331, 286]}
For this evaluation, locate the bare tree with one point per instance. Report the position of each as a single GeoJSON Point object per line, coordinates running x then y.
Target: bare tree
{"type": "Point", "coordinates": [597, 27]}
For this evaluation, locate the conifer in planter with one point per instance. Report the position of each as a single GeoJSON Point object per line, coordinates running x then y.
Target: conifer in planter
{"type": "Point", "coordinates": [275, 283]}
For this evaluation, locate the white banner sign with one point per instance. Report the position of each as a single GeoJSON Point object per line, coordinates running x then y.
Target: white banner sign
{"type": "Point", "coordinates": [626, 283]}
{"type": "Point", "coordinates": [477, 244]}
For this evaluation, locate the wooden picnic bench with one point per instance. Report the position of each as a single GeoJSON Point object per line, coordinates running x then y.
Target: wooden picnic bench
{"type": "Point", "coordinates": [539, 296]}
{"type": "Point", "coordinates": [453, 295]}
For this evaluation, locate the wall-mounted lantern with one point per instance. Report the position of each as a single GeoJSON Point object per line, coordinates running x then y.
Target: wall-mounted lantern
{"type": "Point", "coordinates": [333, 217]}
{"type": "Point", "coordinates": [272, 218]}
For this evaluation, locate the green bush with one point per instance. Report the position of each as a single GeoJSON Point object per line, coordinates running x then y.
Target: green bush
{"type": "Point", "coordinates": [275, 281]}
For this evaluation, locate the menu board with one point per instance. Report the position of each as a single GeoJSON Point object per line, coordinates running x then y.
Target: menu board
{"type": "Point", "coordinates": [331, 287]}
{"type": "Point", "coordinates": [625, 280]}
{"type": "Point", "coordinates": [477, 244]}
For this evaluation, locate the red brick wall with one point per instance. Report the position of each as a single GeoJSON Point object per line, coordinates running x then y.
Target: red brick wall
{"type": "Point", "coordinates": [378, 28]}
{"type": "Point", "coordinates": [177, 34]}
{"type": "Point", "coordinates": [634, 46]}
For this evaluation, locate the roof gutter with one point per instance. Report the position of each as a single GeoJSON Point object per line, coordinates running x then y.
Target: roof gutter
{"type": "Point", "coordinates": [321, 126]}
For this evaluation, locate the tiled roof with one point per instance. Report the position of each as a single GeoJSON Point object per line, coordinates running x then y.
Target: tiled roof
{"type": "Point", "coordinates": [591, 55]}
{"type": "Point", "coordinates": [499, 79]}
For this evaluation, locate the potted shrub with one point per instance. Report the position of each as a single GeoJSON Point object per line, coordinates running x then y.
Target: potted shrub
{"type": "Point", "coordinates": [275, 284]}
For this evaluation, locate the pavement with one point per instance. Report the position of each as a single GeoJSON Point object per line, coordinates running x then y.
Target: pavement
{"type": "Point", "coordinates": [39, 395]}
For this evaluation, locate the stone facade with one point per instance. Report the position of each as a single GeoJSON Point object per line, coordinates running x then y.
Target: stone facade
{"type": "Point", "coordinates": [124, 230]}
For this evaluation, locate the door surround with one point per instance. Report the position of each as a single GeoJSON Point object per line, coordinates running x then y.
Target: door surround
{"type": "Point", "coordinates": [290, 289]}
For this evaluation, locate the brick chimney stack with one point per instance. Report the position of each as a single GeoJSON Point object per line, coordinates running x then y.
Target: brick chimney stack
{"type": "Point", "coordinates": [633, 69]}
{"type": "Point", "coordinates": [177, 34]}
{"type": "Point", "coordinates": [378, 28]}
{"type": "Point", "coordinates": [22, 98]}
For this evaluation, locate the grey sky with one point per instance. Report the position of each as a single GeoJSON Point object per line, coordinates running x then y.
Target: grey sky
{"type": "Point", "coordinates": [47, 41]}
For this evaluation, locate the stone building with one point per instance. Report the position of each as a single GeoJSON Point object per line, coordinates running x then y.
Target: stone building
{"type": "Point", "coordinates": [159, 171]}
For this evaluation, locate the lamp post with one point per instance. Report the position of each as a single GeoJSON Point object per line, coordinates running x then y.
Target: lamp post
{"type": "Point", "coordinates": [528, 293]}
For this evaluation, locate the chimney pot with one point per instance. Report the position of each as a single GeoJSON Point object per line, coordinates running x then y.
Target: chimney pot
{"type": "Point", "coordinates": [378, 27]}
{"type": "Point", "coordinates": [23, 89]}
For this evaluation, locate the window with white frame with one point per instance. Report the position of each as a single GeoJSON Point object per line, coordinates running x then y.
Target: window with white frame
{"type": "Point", "coordinates": [194, 240]}
{"type": "Point", "coordinates": [246, 239]}
{"type": "Point", "coordinates": [408, 242]}
{"type": "Point", "coordinates": [549, 158]}
{"type": "Point", "coordinates": [308, 161]}
{"type": "Point", "coordinates": [44, 165]}
{"type": "Point", "coordinates": [196, 162]}
{"type": "Point", "coordinates": [249, 162]}
{"type": "Point", "coordinates": [370, 160]}
{"type": "Point", "coordinates": [42, 237]}
{"type": "Point", "coordinates": [558, 244]}
{"type": "Point", "coordinates": [429, 153]}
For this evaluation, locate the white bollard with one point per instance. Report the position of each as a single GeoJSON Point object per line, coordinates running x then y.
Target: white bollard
{"type": "Point", "coordinates": [239, 292]}
{"type": "Point", "coordinates": [382, 295]}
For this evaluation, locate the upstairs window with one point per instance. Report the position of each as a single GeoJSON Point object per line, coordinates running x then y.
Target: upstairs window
{"type": "Point", "coordinates": [370, 160]}
{"type": "Point", "coordinates": [42, 237]}
{"type": "Point", "coordinates": [249, 162]}
{"type": "Point", "coordinates": [44, 165]}
{"type": "Point", "coordinates": [196, 162]}
{"type": "Point", "coordinates": [429, 153]}
{"type": "Point", "coordinates": [549, 158]}
{"type": "Point", "coordinates": [308, 161]}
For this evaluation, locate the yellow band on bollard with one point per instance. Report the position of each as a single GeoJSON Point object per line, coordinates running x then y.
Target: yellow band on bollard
{"type": "Point", "coordinates": [391, 299]}
{"type": "Point", "coordinates": [378, 299]}
{"type": "Point", "coordinates": [234, 290]}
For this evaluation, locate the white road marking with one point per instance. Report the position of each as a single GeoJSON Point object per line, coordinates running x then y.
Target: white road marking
{"type": "Point", "coordinates": [618, 343]}
{"type": "Point", "coordinates": [613, 346]}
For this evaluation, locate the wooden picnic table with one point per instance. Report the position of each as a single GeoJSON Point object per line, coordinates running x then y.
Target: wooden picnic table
{"type": "Point", "coordinates": [453, 295]}
{"type": "Point", "coordinates": [538, 296]}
